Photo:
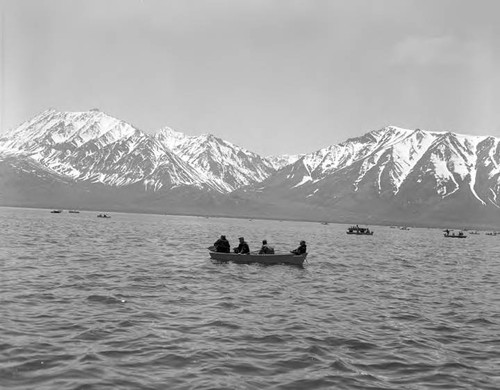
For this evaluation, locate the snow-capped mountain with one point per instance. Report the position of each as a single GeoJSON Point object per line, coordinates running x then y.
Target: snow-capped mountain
{"type": "Point", "coordinates": [394, 168]}
{"type": "Point", "coordinates": [51, 128]}
{"type": "Point", "coordinates": [93, 146]}
{"type": "Point", "coordinates": [222, 162]}
{"type": "Point", "coordinates": [390, 174]}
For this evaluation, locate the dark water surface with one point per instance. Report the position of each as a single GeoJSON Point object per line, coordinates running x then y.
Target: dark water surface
{"type": "Point", "coordinates": [134, 302]}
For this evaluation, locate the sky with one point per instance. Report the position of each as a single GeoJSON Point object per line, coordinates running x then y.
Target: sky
{"type": "Point", "coordinates": [272, 76]}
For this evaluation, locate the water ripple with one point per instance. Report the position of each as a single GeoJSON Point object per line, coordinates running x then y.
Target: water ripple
{"type": "Point", "coordinates": [134, 303]}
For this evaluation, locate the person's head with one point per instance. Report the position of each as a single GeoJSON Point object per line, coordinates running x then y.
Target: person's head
{"type": "Point", "coordinates": [302, 242]}
{"type": "Point", "coordinates": [223, 237]}
{"type": "Point", "coordinates": [241, 239]}
{"type": "Point", "coordinates": [264, 242]}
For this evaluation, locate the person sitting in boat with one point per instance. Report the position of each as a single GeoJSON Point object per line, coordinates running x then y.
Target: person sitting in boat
{"type": "Point", "coordinates": [222, 245]}
{"type": "Point", "coordinates": [242, 248]}
{"type": "Point", "coordinates": [266, 249]}
{"type": "Point", "coordinates": [301, 249]}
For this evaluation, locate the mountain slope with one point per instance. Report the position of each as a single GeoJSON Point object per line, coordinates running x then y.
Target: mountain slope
{"type": "Point", "coordinates": [385, 176]}
{"type": "Point", "coordinates": [223, 163]}
{"type": "Point", "coordinates": [395, 174]}
{"type": "Point", "coordinates": [92, 146]}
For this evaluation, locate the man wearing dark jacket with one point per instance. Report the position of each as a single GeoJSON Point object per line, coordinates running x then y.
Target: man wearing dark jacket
{"type": "Point", "coordinates": [222, 245]}
{"type": "Point", "coordinates": [266, 249]}
{"type": "Point", "coordinates": [301, 249]}
{"type": "Point", "coordinates": [243, 248]}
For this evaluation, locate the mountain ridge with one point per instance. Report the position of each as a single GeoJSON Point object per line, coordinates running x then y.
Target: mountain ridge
{"type": "Point", "coordinates": [59, 140]}
{"type": "Point", "coordinates": [389, 173]}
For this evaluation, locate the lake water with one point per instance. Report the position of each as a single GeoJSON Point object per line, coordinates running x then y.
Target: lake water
{"type": "Point", "coordinates": [134, 302]}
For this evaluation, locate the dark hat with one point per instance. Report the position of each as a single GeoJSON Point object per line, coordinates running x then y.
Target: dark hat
{"type": "Point", "coordinates": [241, 238]}
{"type": "Point", "coordinates": [302, 242]}
{"type": "Point", "coordinates": [264, 242]}
{"type": "Point", "coordinates": [223, 237]}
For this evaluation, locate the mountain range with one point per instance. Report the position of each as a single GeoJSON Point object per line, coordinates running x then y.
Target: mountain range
{"type": "Point", "coordinates": [90, 160]}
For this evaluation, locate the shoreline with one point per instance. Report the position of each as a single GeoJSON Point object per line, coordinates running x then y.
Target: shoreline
{"type": "Point", "coordinates": [288, 219]}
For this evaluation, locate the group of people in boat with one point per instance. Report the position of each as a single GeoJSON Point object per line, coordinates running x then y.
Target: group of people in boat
{"type": "Point", "coordinates": [222, 245]}
{"type": "Point", "coordinates": [452, 234]}
{"type": "Point", "coordinates": [358, 229]}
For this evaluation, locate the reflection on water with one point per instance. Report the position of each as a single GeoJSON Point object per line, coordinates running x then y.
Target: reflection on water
{"type": "Point", "coordinates": [135, 302]}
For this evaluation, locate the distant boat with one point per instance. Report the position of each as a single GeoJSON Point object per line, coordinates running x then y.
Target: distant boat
{"type": "Point", "coordinates": [474, 232]}
{"type": "Point", "coordinates": [73, 212]}
{"type": "Point", "coordinates": [103, 216]}
{"type": "Point", "coordinates": [449, 234]}
{"type": "Point", "coordinates": [492, 234]}
{"type": "Point", "coordinates": [56, 211]}
{"type": "Point", "coordinates": [360, 231]}
{"type": "Point", "coordinates": [404, 228]}
{"type": "Point", "coordinates": [324, 223]}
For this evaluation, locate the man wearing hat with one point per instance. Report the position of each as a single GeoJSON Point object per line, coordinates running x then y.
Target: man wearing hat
{"type": "Point", "coordinates": [222, 245]}
{"type": "Point", "coordinates": [243, 248]}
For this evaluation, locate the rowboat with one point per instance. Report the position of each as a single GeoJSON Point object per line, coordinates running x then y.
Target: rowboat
{"type": "Point", "coordinates": [283, 258]}
{"type": "Point", "coordinates": [453, 235]}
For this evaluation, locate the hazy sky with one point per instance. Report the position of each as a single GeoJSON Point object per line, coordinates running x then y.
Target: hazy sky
{"type": "Point", "coordinates": [273, 76]}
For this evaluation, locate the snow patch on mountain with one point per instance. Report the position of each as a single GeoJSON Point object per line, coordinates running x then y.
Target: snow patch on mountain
{"type": "Point", "coordinates": [170, 138]}
{"type": "Point", "coordinates": [280, 161]}
{"type": "Point", "coordinates": [406, 154]}
{"type": "Point", "coordinates": [304, 180]}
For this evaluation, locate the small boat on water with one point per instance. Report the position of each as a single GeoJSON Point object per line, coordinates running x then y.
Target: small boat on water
{"type": "Point", "coordinates": [453, 235]}
{"type": "Point", "coordinates": [492, 234]}
{"type": "Point", "coordinates": [284, 258]}
{"type": "Point", "coordinates": [360, 231]}
{"type": "Point", "coordinates": [73, 212]}
{"type": "Point", "coordinates": [56, 211]}
{"type": "Point", "coordinates": [103, 216]}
